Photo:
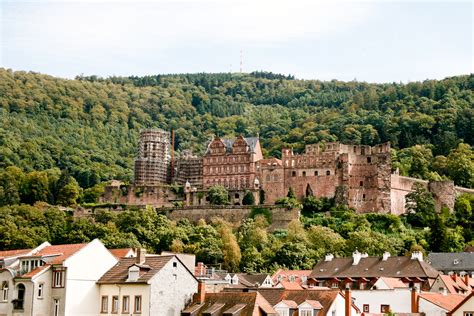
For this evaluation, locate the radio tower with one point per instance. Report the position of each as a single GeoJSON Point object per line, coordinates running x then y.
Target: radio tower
{"type": "Point", "coordinates": [241, 60]}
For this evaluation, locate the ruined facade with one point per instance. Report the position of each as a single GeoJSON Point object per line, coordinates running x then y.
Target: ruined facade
{"type": "Point", "coordinates": [152, 167]}
{"type": "Point", "coordinates": [358, 176]}
{"type": "Point", "coordinates": [188, 168]}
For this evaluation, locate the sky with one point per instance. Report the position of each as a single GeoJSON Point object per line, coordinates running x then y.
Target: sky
{"type": "Point", "coordinates": [373, 41]}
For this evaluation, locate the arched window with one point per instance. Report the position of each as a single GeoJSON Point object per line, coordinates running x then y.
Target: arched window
{"type": "Point", "coordinates": [293, 173]}
{"type": "Point", "coordinates": [20, 297]}
{"type": "Point", "coordinates": [328, 173]}
{"type": "Point", "coordinates": [304, 173]}
{"type": "Point", "coordinates": [4, 291]}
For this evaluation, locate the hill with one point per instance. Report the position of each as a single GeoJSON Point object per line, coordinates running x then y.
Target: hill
{"type": "Point", "coordinates": [89, 126]}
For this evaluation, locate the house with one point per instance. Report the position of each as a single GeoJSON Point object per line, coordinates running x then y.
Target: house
{"type": "Point", "coordinates": [362, 271]}
{"type": "Point", "coordinates": [453, 284]}
{"type": "Point", "coordinates": [310, 302]}
{"type": "Point", "coordinates": [387, 294]}
{"type": "Point", "coordinates": [228, 303]}
{"type": "Point", "coordinates": [291, 279]}
{"type": "Point", "coordinates": [465, 307]}
{"type": "Point", "coordinates": [438, 304]}
{"type": "Point", "coordinates": [56, 280]}
{"type": "Point", "coordinates": [146, 285]}
{"type": "Point", "coordinates": [460, 263]}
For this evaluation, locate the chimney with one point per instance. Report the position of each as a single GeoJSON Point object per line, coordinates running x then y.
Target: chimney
{"type": "Point", "coordinates": [386, 255]}
{"type": "Point", "coordinates": [356, 256]}
{"type": "Point", "coordinates": [200, 296]}
{"type": "Point", "coordinates": [329, 257]}
{"type": "Point", "coordinates": [200, 269]}
{"type": "Point", "coordinates": [141, 254]}
{"type": "Point", "coordinates": [454, 276]}
{"type": "Point", "coordinates": [348, 301]}
{"type": "Point", "coordinates": [414, 300]}
{"type": "Point", "coordinates": [417, 255]}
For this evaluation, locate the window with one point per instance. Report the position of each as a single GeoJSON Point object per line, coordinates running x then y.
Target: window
{"type": "Point", "coordinates": [361, 183]}
{"type": "Point", "coordinates": [384, 308]}
{"type": "Point", "coordinates": [40, 290]}
{"type": "Point", "coordinates": [306, 312]}
{"type": "Point", "coordinates": [304, 173]}
{"type": "Point", "coordinates": [363, 196]}
{"type": "Point", "coordinates": [58, 279]}
{"type": "Point", "coordinates": [4, 291]}
{"type": "Point", "coordinates": [328, 173]}
{"type": "Point", "coordinates": [334, 285]}
{"type": "Point", "coordinates": [316, 173]}
{"type": "Point", "coordinates": [293, 173]}
{"type": "Point", "coordinates": [175, 264]}
{"type": "Point", "coordinates": [115, 304]}
{"type": "Point", "coordinates": [56, 307]}
{"type": "Point", "coordinates": [20, 298]}
{"type": "Point", "coordinates": [104, 305]}
{"type": "Point", "coordinates": [366, 308]}
{"type": "Point", "coordinates": [138, 304]}
{"type": "Point", "coordinates": [125, 304]}
{"type": "Point", "coordinates": [283, 311]}
{"type": "Point", "coordinates": [471, 313]}
{"type": "Point", "coordinates": [369, 159]}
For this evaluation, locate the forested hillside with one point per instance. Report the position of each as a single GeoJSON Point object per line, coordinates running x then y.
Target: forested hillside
{"type": "Point", "coordinates": [89, 126]}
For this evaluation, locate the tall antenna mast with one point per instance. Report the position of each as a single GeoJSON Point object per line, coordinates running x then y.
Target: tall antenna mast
{"type": "Point", "coordinates": [241, 60]}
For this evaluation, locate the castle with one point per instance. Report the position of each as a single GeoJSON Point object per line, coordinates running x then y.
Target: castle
{"type": "Point", "coordinates": [358, 176]}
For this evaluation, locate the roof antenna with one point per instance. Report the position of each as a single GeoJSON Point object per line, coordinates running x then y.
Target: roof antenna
{"type": "Point", "coordinates": [241, 60]}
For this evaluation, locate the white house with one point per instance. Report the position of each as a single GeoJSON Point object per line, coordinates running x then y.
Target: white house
{"type": "Point", "coordinates": [146, 285]}
{"type": "Point", "coordinates": [57, 280]}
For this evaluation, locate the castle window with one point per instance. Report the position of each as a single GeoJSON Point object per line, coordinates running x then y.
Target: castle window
{"type": "Point", "coordinates": [369, 159]}
{"type": "Point", "coordinates": [304, 173]}
{"type": "Point", "coordinates": [316, 173]}
{"type": "Point", "coordinates": [236, 195]}
{"type": "Point", "coordinates": [363, 196]}
{"type": "Point", "coordinates": [328, 173]}
{"type": "Point", "coordinates": [293, 173]}
{"type": "Point", "coordinates": [267, 178]}
{"type": "Point", "coordinates": [361, 183]}
{"type": "Point", "coordinates": [355, 148]}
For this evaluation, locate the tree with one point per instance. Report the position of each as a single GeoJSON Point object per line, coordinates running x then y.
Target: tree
{"type": "Point", "coordinates": [248, 199]}
{"type": "Point", "coordinates": [421, 206]}
{"type": "Point", "coordinates": [230, 248]}
{"type": "Point", "coordinates": [460, 163]}
{"type": "Point", "coordinates": [218, 195]}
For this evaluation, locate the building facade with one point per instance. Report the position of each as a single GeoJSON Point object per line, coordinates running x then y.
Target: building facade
{"type": "Point", "coordinates": [231, 163]}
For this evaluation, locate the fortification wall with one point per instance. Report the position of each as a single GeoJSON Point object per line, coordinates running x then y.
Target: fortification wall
{"type": "Point", "coordinates": [159, 196]}
{"type": "Point", "coordinates": [281, 217]}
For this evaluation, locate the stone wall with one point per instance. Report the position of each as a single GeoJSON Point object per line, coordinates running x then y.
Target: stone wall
{"type": "Point", "coordinates": [281, 217]}
{"type": "Point", "coordinates": [157, 195]}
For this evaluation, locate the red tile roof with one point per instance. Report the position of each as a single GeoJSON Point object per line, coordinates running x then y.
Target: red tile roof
{"type": "Point", "coordinates": [121, 253]}
{"type": "Point", "coordinates": [324, 297]}
{"type": "Point", "coordinates": [249, 304]}
{"type": "Point", "coordinates": [59, 252]}
{"type": "Point", "coordinates": [453, 286]}
{"type": "Point", "coordinates": [14, 253]}
{"type": "Point", "coordinates": [464, 301]}
{"type": "Point", "coordinates": [393, 283]}
{"type": "Point", "coordinates": [447, 302]}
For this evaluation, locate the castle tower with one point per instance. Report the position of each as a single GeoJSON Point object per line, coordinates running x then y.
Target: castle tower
{"type": "Point", "coordinates": [153, 162]}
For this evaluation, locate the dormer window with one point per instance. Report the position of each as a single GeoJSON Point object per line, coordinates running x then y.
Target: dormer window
{"type": "Point", "coordinates": [235, 279]}
{"type": "Point", "coordinates": [133, 273]}
{"type": "Point", "coordinates": [456, 261]}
